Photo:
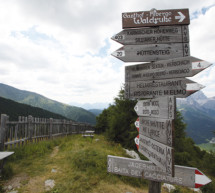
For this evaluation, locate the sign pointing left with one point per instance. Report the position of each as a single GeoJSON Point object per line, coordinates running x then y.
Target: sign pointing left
{"type": "Point", "coordinates": [184, 176]}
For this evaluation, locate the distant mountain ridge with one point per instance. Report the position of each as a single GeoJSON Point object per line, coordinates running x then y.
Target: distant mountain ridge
{"type": "Point", "coordinates": [199, 114]}
{"type": "Point", "coordinates": [14, 110]}
{"type": "Point", "coordinates": [37, 100]}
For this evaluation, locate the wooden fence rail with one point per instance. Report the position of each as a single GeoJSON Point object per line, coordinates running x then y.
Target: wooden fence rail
{"type": "Point", "coordinates": [29, 129]}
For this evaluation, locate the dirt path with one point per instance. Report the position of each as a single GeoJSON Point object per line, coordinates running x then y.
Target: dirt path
{"type": "Point", "coordinates": [31, 184]}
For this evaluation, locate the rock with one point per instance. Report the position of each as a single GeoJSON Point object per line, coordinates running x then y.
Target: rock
{"type": "Point", "coordinates": [49, 184]}
{"type": "Point", "coordinates": [97, 139]}
{"type": "Point", "coordinates": [133, 154]}
{"type": "Point", "coordinates": [15, 191]}
{"type": "Point", "coordinates": [9, 187]}
{"type": "Point", "coordinates": [54, 171]}
{"type": "Point", "coordinates": [169, 187]}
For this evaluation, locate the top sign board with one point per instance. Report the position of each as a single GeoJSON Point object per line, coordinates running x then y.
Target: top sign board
{"type": "Point", "coordinates": [155, 18]}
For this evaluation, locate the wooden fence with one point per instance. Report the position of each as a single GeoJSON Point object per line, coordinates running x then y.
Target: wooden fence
{"type": "Point", "coordinates": [29, 129]}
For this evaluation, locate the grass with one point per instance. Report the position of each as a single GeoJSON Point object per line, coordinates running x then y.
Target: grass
{"type": "Point", "coordinates": [80, 165]}
{"type": "Point", "coordinates": [207, 147]}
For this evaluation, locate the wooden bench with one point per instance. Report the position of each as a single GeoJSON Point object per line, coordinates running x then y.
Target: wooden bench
{"type": "Point", "coordinates": [3, 156]}
{"type": "Point", "coordinates": [88, 134]}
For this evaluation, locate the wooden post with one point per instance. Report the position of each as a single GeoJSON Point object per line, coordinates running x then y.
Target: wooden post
{"type": "Point", "coordinates": [2, 131]}
{"type": "Point", "coordinates": [50, 127]}
{"type": "Point", "coordinates": [30, 127]}
{"type": "Point", "coordinates": [154, 187]}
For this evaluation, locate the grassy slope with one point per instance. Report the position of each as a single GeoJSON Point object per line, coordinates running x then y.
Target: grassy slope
{"type": "Point", "coordinates": [36, 100]}
{"type": "Point", "coordinates": [81, 165]}
{"type": "Point", "coordinates": [207, 147]}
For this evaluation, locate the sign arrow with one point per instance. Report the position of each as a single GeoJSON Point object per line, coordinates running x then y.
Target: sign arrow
{"type": "Point", "coordinates": [162, 107]}
{"type": "Point", "coordinates": [160, 130]}
{"type": "Point", "coordinates": [161, 155]}
{"type": "Point", "coordinates": [155, 18]}
{"type": "Point", "coordinates": [152, 52]}
{"type": "Point", "coordinates": [181, 17]}
{"type": "Point", "coordinates": [178, 87]}
{"type": "Point", "coordinates": [184, 176]}
{"type": "Point", "coordinates": [152, 35]}
{"type": "Point", "coordinates": [172, 68]}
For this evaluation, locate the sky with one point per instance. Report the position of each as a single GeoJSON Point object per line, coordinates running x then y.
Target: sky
{"type": "Point", "coordinates": [62, 49]}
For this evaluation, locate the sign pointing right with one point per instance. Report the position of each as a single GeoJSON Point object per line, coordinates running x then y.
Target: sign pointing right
{"type": "Point", "coordinates": [178, 87]}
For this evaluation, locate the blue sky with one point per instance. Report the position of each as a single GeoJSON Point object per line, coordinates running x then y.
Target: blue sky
{"type": "Point", "coordinates": [62, 49]}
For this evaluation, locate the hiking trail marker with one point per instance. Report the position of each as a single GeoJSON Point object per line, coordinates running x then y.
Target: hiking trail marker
{"type": "Point", "coordinates": [184, 176]}
{"type": "Point", "coordinates": [161, 38]}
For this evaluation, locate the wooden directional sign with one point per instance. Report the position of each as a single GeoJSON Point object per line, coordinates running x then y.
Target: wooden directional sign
{"type": "Point", "coordinates": [155, 18]}
{"type": "Point", "coordinates": [184, 176]}
{"type": "Point", "coordinates": [179, 87]}
{"type": "Point", "coordinates": [152, 52]}
{"type": "Point", "coordinates": [153, 35]}
{"type": "Point", "coordinates": [173, 68]}
{"type": "Point", "coordinates": [162, 107]}
{"type": "Point", "coordinates": [160, 130]}
{"type": "Point", "coordinates": [160, 154]}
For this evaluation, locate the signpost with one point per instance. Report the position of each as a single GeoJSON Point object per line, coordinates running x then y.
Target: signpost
{"type": "Point", "coordinates": [151, 52]}
{"type": "Point", "coordinates": [155, 18]}
{"type": "Point", "coordinates": [160, 37]}
{"type": "Point", "coordinates": [162, 107]}
{"type": "Point", "coordinates": [160, 130]}
{"type": "Point", "coordinates": [178, 87]}
{"type": "Point", "coordinates": [184, 176]}
{"type": "Point", "coordinates": [152, 35]}
{"type": "Point", "coordinates": [173, 68]}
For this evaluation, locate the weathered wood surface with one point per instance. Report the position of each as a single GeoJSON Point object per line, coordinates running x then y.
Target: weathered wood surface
{"type": "Point", "coordinates": [5, 154]}
{"type": "Point", "coordinates": [152, 52]}
{"type": "Point", "coordinates": [158, 153]}
{"type": "Point", "coordinates": [178, 87]}
{"type": "Point", "coordinates": [184, 176]}
{"type": "Point", "coordinates": [162, 107]}
{"type": "Point", "coordinates": [30, 129]}
{"type": "Point", "coordinates": [164, 69]}
{"type": "Point", "coordinates": [155, 18]}
{"type": "Point", "coordinates": [161, 130]}
{"type": "Point", "coordinates": [153, 35]}
{"type": "Point", "coordinates": [154, 187]}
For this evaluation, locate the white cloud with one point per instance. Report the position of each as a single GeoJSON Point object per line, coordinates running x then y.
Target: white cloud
{"type": "Point", "coordinates": [61, 49]}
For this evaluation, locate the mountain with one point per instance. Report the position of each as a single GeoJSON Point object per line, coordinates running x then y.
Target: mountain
{"type": "Point", "coordinates": [199, 115]}
{"type": "Point", "coordinates": [96, 112]}
{"type": "Point", "coordinates": [36, 100]}
{"type": "Point", "coordinates": [88, 106]}
{"type": "Point", "coordinates": [14, 110]}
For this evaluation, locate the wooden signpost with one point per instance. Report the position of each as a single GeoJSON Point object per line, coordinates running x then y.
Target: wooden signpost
{"type": "Point", "coordinates": [184, 176]}
{"type": "Point", "coordinates": [173, 68]}
{"type": "Point", "coordinates": [155, 18]}
{"type": "Point", "coordinates": [151, 52]}
{"type": "Point", "coordinates": [152, 35]}
{"type": "Point", "coordinates": [160, 130]}
{"type": "Point", "coordinates": [160, 37]}
{"type": "Point", "coordinates": [179, 87]}
{"type": "Point", "coordinates": [162, 107]}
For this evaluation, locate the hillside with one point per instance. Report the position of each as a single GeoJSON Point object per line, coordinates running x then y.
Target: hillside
{"type": "Point", "coordinates": [36, 100]}
{"type": "Point", "coordinates": [76, 164]}
{"type": "Point", "coordinates": [14, 109]}
{"type": "Point", "coordinates": [199, 115]}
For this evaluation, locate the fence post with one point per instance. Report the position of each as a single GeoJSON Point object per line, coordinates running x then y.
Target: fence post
{"type": "Point", "coordinates": [30, 127]}
{"type": "Point", "coordinates": [2, 131]}
{"type": "Point", "coordinates": [50, 127]}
